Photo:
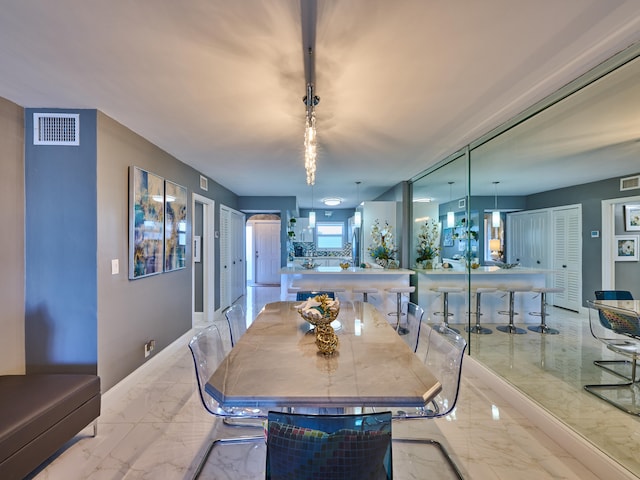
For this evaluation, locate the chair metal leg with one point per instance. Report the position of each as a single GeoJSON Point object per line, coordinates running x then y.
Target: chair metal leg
{"type": "Point", "coordinates": [223, 441]}
{"type": "Point", "coordinates": [629, 392]}
{"type": "Point", "coordinates": [604, 364]}
{"type": "Point", "coordinates": [454, 468]}
{"type": "Point", "coordinates": [477, 328]}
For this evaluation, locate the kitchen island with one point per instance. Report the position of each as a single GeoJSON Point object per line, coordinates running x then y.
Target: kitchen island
{"type": "Point", "coordinates": [488, 276]}
{"type": "Point", "coordinates": [328, 278]}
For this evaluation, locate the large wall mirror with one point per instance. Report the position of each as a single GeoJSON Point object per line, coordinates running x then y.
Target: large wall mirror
{"type": "Point", "coordinates": [546, 194]}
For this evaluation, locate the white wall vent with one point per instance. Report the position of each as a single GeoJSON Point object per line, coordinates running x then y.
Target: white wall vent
{"type": "Point", "coordinates": [56, 129]}
{"type": "Point", "coordinates": [204, 183]}
{"type": "Point", "coordinates": [630, 183]}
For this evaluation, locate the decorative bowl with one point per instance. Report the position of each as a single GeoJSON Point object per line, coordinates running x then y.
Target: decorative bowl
{"type": "Point", "coordinates": [319, 310]}
{"type": "Point", "coordinates": [506, 266]}
{"type": "Point", "coordinates": [344, 265]}
{"type": "Point", "coordinates": [308, 265]}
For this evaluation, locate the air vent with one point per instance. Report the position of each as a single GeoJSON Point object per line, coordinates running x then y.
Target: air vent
{"type": "Point", "coordinates": [204, 183]}
{"type": "Point", "coordinates": [630, 183]}
{"type": "Point", "coordinates": [56, 129]}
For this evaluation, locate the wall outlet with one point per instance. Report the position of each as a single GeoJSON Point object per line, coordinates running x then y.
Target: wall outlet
{"type": "Point", "coordinates": [148, 347]}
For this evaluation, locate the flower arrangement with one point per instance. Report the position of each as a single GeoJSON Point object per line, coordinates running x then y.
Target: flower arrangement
{"type": "Point", "coordinates": [428, 241]}
{"type": "Point", "coordinates": [383, 246]}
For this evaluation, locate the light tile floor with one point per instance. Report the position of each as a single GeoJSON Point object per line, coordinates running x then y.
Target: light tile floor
{"type": "Point", "coordinates": [154, 426]}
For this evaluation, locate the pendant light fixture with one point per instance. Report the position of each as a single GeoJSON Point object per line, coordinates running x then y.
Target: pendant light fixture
{"type": "Point", "coordinates": [312, 214]}
{"type": "Point", "coordinates": [357, 217]}
{"type": "Point", "coordinates": [451, 218]}
{"type": "Point", "coordinates": [495, 215]}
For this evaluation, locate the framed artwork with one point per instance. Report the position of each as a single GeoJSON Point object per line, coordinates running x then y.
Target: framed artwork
{"type": "Point", "coordinates": [175, 226]}
{"type": "Point", "coordinates": [626, 248]}
{"type": "Point", "coordinates": [632, 217]}
{"type": "Point", "coordinates": [447, 237]}
{"type": "Point", "coordinates": [146, 223]}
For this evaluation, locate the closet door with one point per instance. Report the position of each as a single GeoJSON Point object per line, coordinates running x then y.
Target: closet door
{"type": "Point", "coordinates": [225, 257]}
{"type": "Point", "coordinates": [567, 256]}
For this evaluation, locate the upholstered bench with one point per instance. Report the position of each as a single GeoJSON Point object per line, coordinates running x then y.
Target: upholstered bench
{"type": "Point", "coordinates": [39, 413]}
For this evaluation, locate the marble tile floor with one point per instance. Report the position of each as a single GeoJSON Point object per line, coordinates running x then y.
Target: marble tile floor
{"type": "Point", "coordinates": [552, 371]}
{"type": "Point", "coordinates": [153, 426]}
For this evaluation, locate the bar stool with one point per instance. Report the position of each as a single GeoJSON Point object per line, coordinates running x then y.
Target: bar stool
{"type": "Point", "coordinates": [445, 291]}
{"type": "Point", "coordinates": [511, 328]}
{"type": "Point", "coordinates": [542, 328]}
{"type": "Point", "coordinates": [477, 328]}
{"type": "Point", "coordinates": [365, 292]}
{"type": "Point", "coordinates": [399, 291]}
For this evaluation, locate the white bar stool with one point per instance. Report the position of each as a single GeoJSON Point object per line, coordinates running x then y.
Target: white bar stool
{"type": "Point", "coordinates": [477, 328]}
{"type": "Point", "coordinates": [399, 291]}
{"type": "Point", "coordinates": [365, 292]}
{"type": "Point", "coordinates": [542, 328]}
{"type": "Point", "coordinates": [511, 328]}
{"type": "Point", "coordinates": [445, 291]}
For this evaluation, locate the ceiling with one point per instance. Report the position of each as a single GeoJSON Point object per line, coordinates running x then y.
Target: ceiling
{"type": "Point", "coordinates": [219, 84]}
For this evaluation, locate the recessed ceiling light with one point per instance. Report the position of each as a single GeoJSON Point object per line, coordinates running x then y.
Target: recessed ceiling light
{"type": "Point", "coordinates": [332, 202]}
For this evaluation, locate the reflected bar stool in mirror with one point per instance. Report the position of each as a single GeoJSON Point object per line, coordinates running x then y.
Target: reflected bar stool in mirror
{"type": "Point", "coordinates": [543, 328]}
{"type": "Point", "coordinates": [477, 328]}
{"type": "Point", "coordinates": [445, 314]}
{"type": "Point", "coordinates": [399, 292]}
{"type": "Point", "coordinates": [365, 292]}
{"type": "Point", "coordinates": [511, 328]}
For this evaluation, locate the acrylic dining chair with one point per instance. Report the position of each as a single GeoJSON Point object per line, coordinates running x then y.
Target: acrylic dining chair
{"type": "Point", "coordinates": [408, 326]}
{"type": "Point", "coordinates": [237, 322]}
{"type": "Point", "coordinates": [208, 352]}
{"type": "Point", "coordinates": [620, 332]}
{"type": "Point", "coordinates": [620, 368]}
{"type": "Point", "coordinates": [329, 447]}
{"type": "Point", "coordinates": [444, 354]}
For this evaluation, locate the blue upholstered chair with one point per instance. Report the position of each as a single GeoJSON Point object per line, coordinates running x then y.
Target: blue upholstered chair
{"type": "Point", "coordinates": [619, 330]}
{"type": "Point", "coordinates": [306, 294]}
{"type": "Point", "coordinates": [329, 447]}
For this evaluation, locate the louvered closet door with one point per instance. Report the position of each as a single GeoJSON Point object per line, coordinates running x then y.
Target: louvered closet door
{"type": "Point", "coordinates": [225, 258]}
{"type": "Point", "coordinates": [567, 257]}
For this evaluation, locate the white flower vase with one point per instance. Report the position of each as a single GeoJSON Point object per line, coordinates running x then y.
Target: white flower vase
{"type": "Point", "coordinates": [383, 262]}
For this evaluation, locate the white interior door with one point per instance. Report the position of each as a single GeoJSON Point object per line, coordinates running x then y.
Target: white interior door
{"type": "Point", "coordinates": [267, 252]}
{"type": "Point", "coordinates": [567, 257]}
{"type": "Point", "coordinates": [206, 263]}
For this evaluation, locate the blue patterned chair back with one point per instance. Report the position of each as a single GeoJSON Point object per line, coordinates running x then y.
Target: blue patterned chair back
{"type": "Point", "coordinates": [329, 447]}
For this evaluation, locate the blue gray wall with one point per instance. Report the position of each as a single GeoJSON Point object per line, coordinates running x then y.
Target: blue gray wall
{"type": "Point", "coordinates": [60, 252]}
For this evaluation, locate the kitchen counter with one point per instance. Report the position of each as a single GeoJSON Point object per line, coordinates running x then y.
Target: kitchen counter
{"type": "Point", "coordinates": [328, 278]}
{"type": "Point", "coordinates": [489, 276]}
{"type": "Point", "coordinates": [350, 270]}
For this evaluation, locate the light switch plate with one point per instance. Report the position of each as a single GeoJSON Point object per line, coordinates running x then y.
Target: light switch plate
{"type": "Point", "coordinates": [115, 266]}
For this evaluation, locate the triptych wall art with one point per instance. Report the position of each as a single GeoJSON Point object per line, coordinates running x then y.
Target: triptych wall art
{"type": "Point", "coordinates": [157, 224]}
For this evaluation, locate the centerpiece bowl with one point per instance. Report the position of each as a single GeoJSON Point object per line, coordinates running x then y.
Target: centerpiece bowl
{"type": "Point", "coordinates": [320, 311]}
{"type": "Point", "coordinates": [506, 265]}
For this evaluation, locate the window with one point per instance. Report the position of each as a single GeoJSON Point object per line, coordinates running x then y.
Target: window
{"type": "Point", "coordinates": [329, 236]}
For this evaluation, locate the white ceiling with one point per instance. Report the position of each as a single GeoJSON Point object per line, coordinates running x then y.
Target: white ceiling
{"type": "Point", "coordinates": [219, 84]}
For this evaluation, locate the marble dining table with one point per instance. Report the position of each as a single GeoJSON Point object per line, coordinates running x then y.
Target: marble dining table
{"type": "Point", "coordinates": [277, 364]}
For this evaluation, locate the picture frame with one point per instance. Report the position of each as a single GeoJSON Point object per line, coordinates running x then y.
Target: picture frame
{"type": "Point", "coordinates": [146, 223]}
{"type": "Point", "coordinates": [626, 248]}
{"type": "Point", "coordinates": [632, 217]}
{"type": "Point", "coordinates": [175, 226]}
{"type": "Point", "coordinates": [447, 237]}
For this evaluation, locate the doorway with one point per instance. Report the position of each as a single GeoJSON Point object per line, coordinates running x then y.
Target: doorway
{"type": "Point", "coordinates": [266, 254]}
{"type": "Point", "coordinates": [202, 259]}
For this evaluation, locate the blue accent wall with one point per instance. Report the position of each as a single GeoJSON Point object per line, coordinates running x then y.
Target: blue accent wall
{"type": "Point", "coordinates": [60, 247]}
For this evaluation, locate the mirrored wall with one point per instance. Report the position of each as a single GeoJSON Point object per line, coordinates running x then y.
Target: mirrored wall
{"type": "Point", "coordinates": [522, 210]}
